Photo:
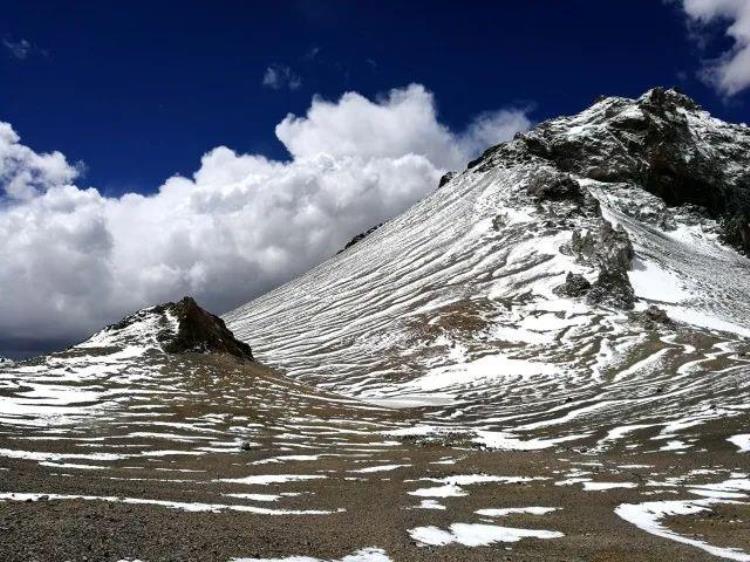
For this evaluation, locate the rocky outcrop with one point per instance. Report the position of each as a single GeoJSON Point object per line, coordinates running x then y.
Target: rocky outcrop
{"type": "Point", "coordinates": [610, 250]}
{"type": "Point", "coordinates": [173, 327]}
{"type": "Point", "coordinates": [447, 177]}
{"type": "Point", "coordinates": [200, 331]}
{"type": "Point", "coordinates": [664, 143]}
{"type": "Point", "coordinates": [652, 318]}
{"type": "Point", "coordinates": [560, 187]}
{"type": "Point", "coordinates": [575, 285]}
{"type": "Point", "coordinates": [359, 237]}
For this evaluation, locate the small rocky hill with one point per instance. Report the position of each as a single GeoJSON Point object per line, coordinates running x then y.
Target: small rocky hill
{"type": "Point", "coordinates": [173, 327]}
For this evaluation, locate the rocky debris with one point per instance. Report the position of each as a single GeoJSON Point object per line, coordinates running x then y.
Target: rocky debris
{"type": "Point", "coordinates": [575, 285]}
{"type": "Point", "coordinates": [652, 318]}
{"type": "Point", "coordinates": [610, 250]}
{"type": "Point", "coordinates": [660, 216]}
{"type": "Point", "coordinates": [446, 178]}
{"type": "Point", "coordinates": [199, 331]}
{"type": "Point", "coordinates": [359, 237]}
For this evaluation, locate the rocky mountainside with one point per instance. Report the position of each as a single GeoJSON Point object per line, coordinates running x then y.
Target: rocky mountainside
{"type": "Point", "coordinates": [592, 250]}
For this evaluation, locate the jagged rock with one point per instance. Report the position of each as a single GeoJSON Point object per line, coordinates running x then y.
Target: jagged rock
{"type": "Point", "coordinates": [575, 285]}
{"type": "Point", "coordinates": [173, 327]}
{"type": "Point", "coordinates": [359, 237]}
{"type": "Point", "coordinates": [653, 144]}
{"type": "Point", "coordinates": [555, 188]}
{"type": "Point", "coordinates": [199, 331]}
{"type": "Point", "coordinates": [652, 318]}
{"type": "Point", "coordinates": [611, 251]}
{"type": "Point", "coordinates": [610, 248]}
{"type": "Point", "coordinates": [446, 178]}
{"type": "Point", "coordinates": [612, 287]}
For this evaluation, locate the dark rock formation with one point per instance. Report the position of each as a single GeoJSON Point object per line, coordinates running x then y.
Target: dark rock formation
{"type": "Point", "coordinates": [656, 147]}
{"type": "Point", "coordinates": [652, 318]}
{"type": "Point", "coordinates": [359, 237]}
{"type": "Point", "coordinates": [662, 142]}
{"type": "Point", "coordinates": [555, 188]}
{"type": "Point", "coordinates": [575, 286]}
{"type": "Point", "coordinates": [611, 251]}
{"type": "Point", "coordinates": [200, 331]}
{"type": "Point", "coordinates": [612, 287]}
{"type": "Point", "coordinates": [446, 178]}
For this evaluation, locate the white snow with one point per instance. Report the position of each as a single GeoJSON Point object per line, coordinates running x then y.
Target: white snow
{"type": "Point", "coordinates": [265, 479]}
{"type": "Point", "coordinates": [742, 441]}
{"type": "Point", "coordinates": [488, 367]}
{"type": "Point", "coordinates": [505, 511]}
{"type": "Point", "coordinates": [510, 442]}
{"type": "Point", "coordinates": [476, 534]}
{"type": "Point", "coordinates": [652, 282]}
{"type": "Point", "coordinates": [590, 486]}
{"type": "Point", "coordinates": [647, 516]}
{"type": "Point", "coordinates": [181, 506]}
{"type": "Point", "coordinates": [379, 468]}
{"type": "Point", "coordinates": [363, 555]}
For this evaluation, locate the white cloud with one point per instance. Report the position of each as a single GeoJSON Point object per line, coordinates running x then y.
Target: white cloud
{"type": "Point", "coordinates": [730, 73]}
{"type": "Point", "coordinates": [23, 172]}
{"type": "Point", "coordinates": [278, 76]}
{"type": "Point", "coordinates": [20, 49]}
{"type": "Point", "coordinates": [74, 259]}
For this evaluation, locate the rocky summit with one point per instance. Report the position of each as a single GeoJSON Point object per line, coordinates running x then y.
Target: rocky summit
{"type": "Point", "coordinates": [548, 358]}
{"type": "Point", "coordinates": [173, 327]}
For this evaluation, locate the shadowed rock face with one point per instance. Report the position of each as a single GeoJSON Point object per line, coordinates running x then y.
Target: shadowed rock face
{"type": "Point", "coordinates": [200, 331]}
{"type": "Point", "coordinates": [173, 327]}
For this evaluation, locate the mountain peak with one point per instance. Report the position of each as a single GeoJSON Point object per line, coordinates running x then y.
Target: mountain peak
{"type": "Point", "coordinates": [173, 327]}
{"type": "Point", "coordinates": [661, 142]}
{"type": "Point", "coordinates": [661, 96]}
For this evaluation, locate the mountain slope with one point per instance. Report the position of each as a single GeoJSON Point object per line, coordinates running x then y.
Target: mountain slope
{"type": "Point", "coordinates": [507, 294]}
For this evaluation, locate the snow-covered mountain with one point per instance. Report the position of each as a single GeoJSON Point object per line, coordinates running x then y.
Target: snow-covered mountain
{"type": "Point", "coordinates": [575, 274]}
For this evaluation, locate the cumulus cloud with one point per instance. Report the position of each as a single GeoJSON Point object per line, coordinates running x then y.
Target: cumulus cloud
{"type": "Point", "coordinates": [24, 173]}
{"type": "Point", "coordinates": [730, 73]}
{"type": "Point", "coordinates": [74, 259]}
{"type": "Point", "coordinates": [278, 76]}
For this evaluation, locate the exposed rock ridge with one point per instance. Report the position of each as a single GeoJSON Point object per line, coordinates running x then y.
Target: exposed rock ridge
{"type": "Point", "coordinates": [662, 142]}
{"type": "Point", "coordinates": [359, 237]}
{"type": "Point", "coordinates": [200, 331]}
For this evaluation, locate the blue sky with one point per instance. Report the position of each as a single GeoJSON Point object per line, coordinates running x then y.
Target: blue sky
{"type": "Point", "coordinates": [139, 91]}
{"type": "Point", "coordinates": [150, 150]}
